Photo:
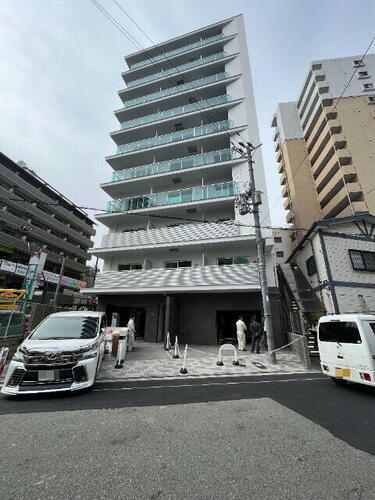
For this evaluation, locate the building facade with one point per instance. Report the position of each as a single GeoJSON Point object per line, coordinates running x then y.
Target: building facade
{"type": "Point", "coordinates": [36, 217]}
{"type": "Point", "coordinates": [178, 254]}
{"type": "Point", "coordinates": [325, 145]}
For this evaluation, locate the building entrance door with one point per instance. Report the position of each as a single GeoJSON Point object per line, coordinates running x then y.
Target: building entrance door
{"type": "Point", "coordinates": [226, 325]}
{"type": "Point", "coordinates": [125, 313]}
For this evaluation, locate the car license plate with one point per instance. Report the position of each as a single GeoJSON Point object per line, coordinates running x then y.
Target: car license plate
{"type": "Point", "coordinates": [343, 372]}
{"type": "Point", "coordinates": [46, 376]}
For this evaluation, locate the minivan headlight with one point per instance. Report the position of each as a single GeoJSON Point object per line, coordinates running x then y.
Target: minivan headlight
{"type": "Point", "coordinates": [90, 351]}
{"type": "Point", "coordinates": [19, 355]}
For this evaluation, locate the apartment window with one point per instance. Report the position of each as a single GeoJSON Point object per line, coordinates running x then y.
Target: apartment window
{"type": "Point", "coordinates": [368, 86]}
{"type": "Point", "coordinates": [362, 261]}
{"type": "Point", "coordinates": [177, 263]}
{"type": "Point", "coordinates": [278, 239]}
{"type": "Point", "coordinates": [363, 74]}
{"type": "Point", "coordinates": [129, 267]}
{"type": "Point", "coordinates": [227, 261]}
{"type": "Point", "coordinates": [280, 254]}
{"type": "Point", "coordinates": [311, 265]}
{"type": "Point", "coordinates": [357, 63]}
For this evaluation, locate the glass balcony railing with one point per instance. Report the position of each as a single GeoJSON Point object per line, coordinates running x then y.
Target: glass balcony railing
{"type": "Point", "coordinates": [175, 90]}
{"type": "Point", "coordinates": [180, 110]}
{"type": "Point", "coordinates": [177, 69]}
{"type": "Point", "coordinates": [172, 165]}
{"type": "Point", "coordinates": [180, 135]}
{"type": "Point", "coordinates": [199, 193]}
{"type": "Point", "coordinates": [181, 50]}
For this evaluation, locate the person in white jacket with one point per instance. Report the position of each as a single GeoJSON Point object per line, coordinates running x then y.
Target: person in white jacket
{"type": "Point", "coordinates": [241, 334]}
{"type": "Point", "coordinates": [131, 333]}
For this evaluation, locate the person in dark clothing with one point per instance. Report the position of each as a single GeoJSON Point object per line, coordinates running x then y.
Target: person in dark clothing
{"type": "Point", "coordinates": [256, 333]}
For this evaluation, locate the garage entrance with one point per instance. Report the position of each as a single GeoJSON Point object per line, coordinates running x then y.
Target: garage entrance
{"type": "Point", "coordinates": [125, 313]}
{"type": "Point", "coordinates": [226, 325]}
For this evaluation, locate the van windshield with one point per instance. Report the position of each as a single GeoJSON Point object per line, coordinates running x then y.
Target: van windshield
{"type": "Point", "coordinates": [66, 327]}
{"type": "Point", "coordinates": [343, 332]}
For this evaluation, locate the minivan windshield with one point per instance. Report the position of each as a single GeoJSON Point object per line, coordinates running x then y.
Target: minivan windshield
{"type": "Point", "coordinates": [66, 327]}
{"type": "Point", "coordinates": [343, 332]}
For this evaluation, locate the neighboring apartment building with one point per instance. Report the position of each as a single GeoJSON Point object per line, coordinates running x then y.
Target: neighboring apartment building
{"type": "Point", "coordinates": [336, 179]}
{"type": "Point", "coordinates": [185, 100]}
{"type": "Point", "coordinates": [36, 217]}
{"type": "Point", "coordinates": [332, 270]}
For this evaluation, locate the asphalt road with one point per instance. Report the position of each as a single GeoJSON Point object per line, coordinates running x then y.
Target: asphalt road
{"type": "Point", "coordinates": [239, 448]}
{"type": "Point", "coordinates": [348, 412]}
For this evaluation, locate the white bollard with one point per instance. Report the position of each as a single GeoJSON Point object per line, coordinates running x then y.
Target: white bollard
{"type": "Point", "coordinates": [183, 370]}
{"type": "Point", "coordinates": [121, 351]}
{"type": "Point", "coordinates": [176, 354]}
{"type": "Point", "coordinates": [168, 345]}
{"type": "Point", "coordinates": [235, 362]}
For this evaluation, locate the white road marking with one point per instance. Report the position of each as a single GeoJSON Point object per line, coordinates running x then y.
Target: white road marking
{"type": "Point", "coordinates": [211, 383]}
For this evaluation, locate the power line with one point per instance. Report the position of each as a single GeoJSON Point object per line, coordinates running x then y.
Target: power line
{"type": "Point", "coordinates": [121, 28]}
{"type": "Point", "coordinates": [334, 109]}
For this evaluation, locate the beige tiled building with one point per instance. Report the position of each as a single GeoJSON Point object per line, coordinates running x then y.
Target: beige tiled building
{"type": "Point", "coordinates": [325, 147]}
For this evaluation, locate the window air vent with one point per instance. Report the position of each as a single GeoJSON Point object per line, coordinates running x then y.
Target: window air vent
{"type": "Point", "coordinates": [176, 180]}
{"type": "Point", "coordinates": [178, 127]}
{"type": "Point", "coordinates": [191, 211]}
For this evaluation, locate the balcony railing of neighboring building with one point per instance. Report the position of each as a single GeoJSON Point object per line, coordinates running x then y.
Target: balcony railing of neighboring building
{"type": "Point", "coordinates": [176, 90]}
{"type": "Point", "coordinates": [180, 135]}
{"type": "Point", "coordinates": [177, 69]}
{"type": "Point", "coordinates": [181, 50]}
{"type": "Point", "coordinates": [186, 195]}
{"type": "Point", "coordinates": [172, 165]}
{"type": "Point", "coordinates": [180, 110]}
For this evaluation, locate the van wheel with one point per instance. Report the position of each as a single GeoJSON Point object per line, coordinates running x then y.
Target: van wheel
{"type": "Point", "coordinates": [339, 381]}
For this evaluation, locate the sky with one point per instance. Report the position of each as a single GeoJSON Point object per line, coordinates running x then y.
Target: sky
{"type": "Point", "coordinates": [61, 63]}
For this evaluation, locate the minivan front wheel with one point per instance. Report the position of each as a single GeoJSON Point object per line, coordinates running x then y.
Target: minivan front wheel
{"type": "Point", "coordinates": [338, 381]}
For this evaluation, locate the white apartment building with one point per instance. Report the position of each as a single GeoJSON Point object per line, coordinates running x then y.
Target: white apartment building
{"type": "Point", "coordinates": [178, 254]}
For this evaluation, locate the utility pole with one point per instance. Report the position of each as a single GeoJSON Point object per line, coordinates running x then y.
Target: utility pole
{"type": "Point", "coordinates": [249, 202]}
{"type": "Point", "coordinates": [58, 284]}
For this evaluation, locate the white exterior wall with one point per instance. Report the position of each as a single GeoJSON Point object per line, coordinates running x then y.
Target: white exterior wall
{"type": "Point", "coordinates": [243, 115]}
{"type": "Point", "coordinates": [349, 297]}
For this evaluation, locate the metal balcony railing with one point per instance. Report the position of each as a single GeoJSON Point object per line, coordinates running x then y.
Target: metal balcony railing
{"type": "Point", "coordinates": [180, 110]}
{"type": "Point", "coordinates": [172, 165]}
{"type": "Point", "coordinates": [175, 90]}
{"type": "Point", "coordinates": [177, 69]}
{"type": "Point", "coordinates": [180, 135]}
{"type": "Point", "coordinates": [180, 50]}
{"type": "Point", "coordinates": [187, 195]}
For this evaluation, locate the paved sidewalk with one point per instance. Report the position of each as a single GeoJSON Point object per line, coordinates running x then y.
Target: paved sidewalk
{"type": "Point", "coordinates": [150, 361]}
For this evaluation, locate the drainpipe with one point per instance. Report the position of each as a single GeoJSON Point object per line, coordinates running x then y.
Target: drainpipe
{"type": "Point", "coordinates": [335, 303]}
{"type": "Point", "coordinates": [317, 273]}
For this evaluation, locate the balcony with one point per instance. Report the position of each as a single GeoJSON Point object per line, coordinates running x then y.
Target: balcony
{"type": "Point", "coordinates": [175, 52]}
{"type": "Point", "coordinates": [173, 165]}
{"type": "Point", "coordinates": [177, 69]}
{"type": "Point", "coordinates": [188, 195]}
{"type": "Point", "coordinates": [348, 193]}
{"type": "Point", "coordinates": [236, 278]}
{"type": "Point", "coordinates": [285, 191]}
{"type": "Point", "coordinates": [283, 179]}
{"type": "Point", "coordinates": [181, 135]}
{"type": "Point", "coordinates": [287, 204]}
{"type": "Point", "coordinates": [290, 217]}
{"type": "Point", "coordinates": [176, 90]}
{"type": "Point", "coordinates": [180, 110]}
{"type": "Point", "coordinates": [192, 235]}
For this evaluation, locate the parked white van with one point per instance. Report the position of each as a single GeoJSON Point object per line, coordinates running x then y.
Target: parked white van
{"type": "Point", "coordinates": [347, 347]}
